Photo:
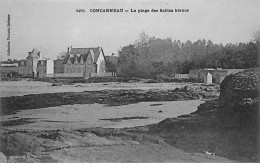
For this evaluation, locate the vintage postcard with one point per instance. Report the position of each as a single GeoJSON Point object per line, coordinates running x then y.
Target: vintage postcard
{"type": "Point", "coordinates": [133, 81]}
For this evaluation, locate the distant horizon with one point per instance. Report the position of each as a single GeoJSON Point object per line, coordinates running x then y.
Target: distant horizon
{"type": "Point", "coordinates": [53, 26]}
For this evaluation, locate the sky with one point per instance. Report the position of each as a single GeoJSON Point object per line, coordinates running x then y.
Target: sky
{"type": "Point", "coordinates": [52, 26]}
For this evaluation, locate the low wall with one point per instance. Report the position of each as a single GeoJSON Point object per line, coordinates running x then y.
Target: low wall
{"type": "Point", "coordinates": [194, 74]}
{"type": "Point", "coordinates": [179, 76]}
{"type": "Point", "coordinates": [49, 75]}
{"type": "Point", "coordinates": [71, 75]}
{"type": "Point", "coordinates": [78, 75]}
{"type": "Point", "coordinates": [234, 71]}
{"type": "Point", "coordinates": [101, 74]}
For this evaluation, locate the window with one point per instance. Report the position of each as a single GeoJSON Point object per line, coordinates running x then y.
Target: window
{"type": "Point", "coordinates": [22, 63]}
{"type": "Point", "coordinates": [41, 62]}
{"type": "Point", "coordinates": [76, 61]}
{"type": "Point", "coordinates": [89, 60]}
{"type": "Point", "coordinates": [81, 61]}
{"type": "Point", "coordinates": [68, 70]}
{"type": "Point", "coordinates": [22, 71]}
{"type": "Point", "coordinates": [79, 71]}
{"type": "Point", "coordinates": [69, 62]}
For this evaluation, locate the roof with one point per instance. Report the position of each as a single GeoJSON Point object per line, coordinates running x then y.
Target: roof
{"type": "Point", "coordinates": [24, 61]}
{"type": "Point", "coordinates": [6, 65]}
{"type": "Point", "coordinates": [34, 53]}
{"type": "Point", "coordinates": [112, 59]}
{"type": "Point", "coordinates": [84, 52]}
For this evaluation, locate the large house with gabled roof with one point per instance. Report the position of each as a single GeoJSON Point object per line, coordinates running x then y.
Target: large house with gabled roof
{"type": "Point", "coordinates": [85, 60]}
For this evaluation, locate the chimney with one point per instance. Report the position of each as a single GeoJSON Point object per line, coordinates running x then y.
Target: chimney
{"type": "Point", "coordinates": [40, 55]}
{"type": "Point", "coordinates": [69, 49]}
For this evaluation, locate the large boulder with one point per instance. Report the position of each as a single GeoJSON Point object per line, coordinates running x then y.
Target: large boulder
{"type": "Point", "coordinates": [239, 97]}
{"type": "Point", "coordinates": [3, 158]}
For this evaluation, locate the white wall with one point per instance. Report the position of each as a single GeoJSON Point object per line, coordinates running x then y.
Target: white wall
{"type": "Point", "coordinates": [100, 61]}
{"type": "Point", "coordinates": [50, 67]}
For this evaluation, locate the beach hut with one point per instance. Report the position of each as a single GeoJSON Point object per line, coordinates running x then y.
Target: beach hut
{"type": "Point", "coordinates": [219, 78]}
{"type": "Point", "coordinates": [208, 78]}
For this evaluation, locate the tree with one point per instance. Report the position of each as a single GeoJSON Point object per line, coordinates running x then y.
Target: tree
{"type": "Point", "coordinates": [256, 36]}
{"type": "Point", "coordinates": [150, 56]}
{"type": "Point", "coordinates": [62, 55]}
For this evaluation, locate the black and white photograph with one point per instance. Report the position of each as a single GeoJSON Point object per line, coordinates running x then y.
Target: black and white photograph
{"type": "Point", "coordinates": [129, 81]}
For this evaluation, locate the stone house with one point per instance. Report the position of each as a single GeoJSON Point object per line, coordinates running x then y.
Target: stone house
{"type": "Point", "coordinates": [23, 70]}
{"type": "Point", "coordinates": [28, 67]}
{"type": "Point", "coordinates": [85, 61]}
{"type": "Point", "coordinates": [45, 68]}
{"type": "Point", "coordinates": [58, 66]}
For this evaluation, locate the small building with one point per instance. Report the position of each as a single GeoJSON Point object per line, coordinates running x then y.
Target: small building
{"type": "Point", "coordinates": [9, 69]}
{"type": "Point", "coordinates": [45, 68]}
{"type": "Point", "coordinates": [208, 78]}
{"type": "Point", "coordinates": [219, 78]}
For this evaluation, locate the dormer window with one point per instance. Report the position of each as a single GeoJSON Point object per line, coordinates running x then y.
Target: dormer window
{"type": "Point", "coordinates": [89, 60]}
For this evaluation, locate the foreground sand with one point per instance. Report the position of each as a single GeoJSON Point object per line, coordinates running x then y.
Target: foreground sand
{"type": "Point", "coordinates": [98, 115]}
{"type": "Point", "coordinates": [93, 132]}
